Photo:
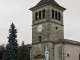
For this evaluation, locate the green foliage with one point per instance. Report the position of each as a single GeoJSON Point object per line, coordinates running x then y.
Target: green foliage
{"type": "Point", "coordinates": [2, 51]}
{"type": "Point", "coordinates": [12, 46]}
{"type": "Point", "coordinates": [23, 52]}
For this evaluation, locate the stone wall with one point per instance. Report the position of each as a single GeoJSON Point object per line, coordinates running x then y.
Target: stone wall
{"type": "Point", "coordinates": [38, 49]}
{"type": "Point", "coordinates": [56, 34]}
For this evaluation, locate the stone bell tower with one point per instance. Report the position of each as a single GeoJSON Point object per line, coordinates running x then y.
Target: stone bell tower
{"type": "Point", "coordinates": [47, 28]}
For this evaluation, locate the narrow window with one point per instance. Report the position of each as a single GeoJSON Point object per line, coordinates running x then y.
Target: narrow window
{"type": "Point", "coordinates": [36, 15]}
{"type": "Point", "coordinates": [79, 56]}
{"type": "Point", "coordinates": [39, 14]}
{"type": "Point", "coordinates": [68, 55]}
{"type": "Point", "coordinates": [52, 13]}
{"type": "Point", "coordinates": [39, 38]}
{"type": "Point", "coordinates": [43, 13]}
{"type": "Point", "coordinates": [56, 28]}
{"type": "Point", "coordinates": [55, 14]}
{"type": "Point", "coordinates": [59, 16]}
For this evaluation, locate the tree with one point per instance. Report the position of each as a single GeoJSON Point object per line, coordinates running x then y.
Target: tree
{"type": "Point", "coordinates": [2, 51]}
{"type": "Point", "coordinates": [23, 52]}
{"type": "Point", "coordinates": [22, 43]}
{"type": "Point", "coordinates": [12, 46]}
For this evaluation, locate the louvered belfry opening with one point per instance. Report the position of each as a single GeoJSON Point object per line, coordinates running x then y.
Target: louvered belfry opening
{"type": "Point", "coordinates": [36, 15]}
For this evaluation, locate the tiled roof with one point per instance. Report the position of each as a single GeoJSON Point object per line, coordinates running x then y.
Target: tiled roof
{"type": "Point", "coordinates": [47, 1]}
{"type": "Point", "coordinates": [68, 41]}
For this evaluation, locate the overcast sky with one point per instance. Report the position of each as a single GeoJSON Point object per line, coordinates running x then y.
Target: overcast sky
{"type": "Point", "coordinates": [17, 11]}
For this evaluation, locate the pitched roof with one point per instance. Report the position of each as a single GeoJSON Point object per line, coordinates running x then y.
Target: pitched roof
{"type": "Point", "coordinates": [68, 41]}
{"type": "Point", "coordinates": [47, 1]}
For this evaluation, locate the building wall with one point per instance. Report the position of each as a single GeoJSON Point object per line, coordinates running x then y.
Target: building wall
{"type": "Point", "coordinates": [53, 19]}
{"type": "Point", "coordinates": [41, 48]}
{"type": "Point", "coordinates": [48, 14]}
{"type": "Point", "coordinates": [49, 32]}
{"type": "Point", "coordinates": [72, 50]}
{"type": "Point", "coordinates": [56, 34]}
{"type": "Point", "coordinates": [42, 19]}
{"type": "Point", "coordinates": [45, 34]}
{"type": "Point", "coordinates": [58, 52]}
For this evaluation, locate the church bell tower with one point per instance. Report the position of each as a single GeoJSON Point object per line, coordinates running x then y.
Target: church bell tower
{"type": "Point", "coordinates": [47, 28]}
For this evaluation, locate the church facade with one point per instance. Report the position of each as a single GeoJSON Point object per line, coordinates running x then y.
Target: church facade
{"type": "Point", "coordinates": [48, 33]}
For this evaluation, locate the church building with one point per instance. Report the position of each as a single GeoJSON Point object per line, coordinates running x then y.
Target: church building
{"type": "Point", "coordinates": [48, 33]}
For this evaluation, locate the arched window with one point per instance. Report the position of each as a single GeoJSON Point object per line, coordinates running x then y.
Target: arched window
{"type": "Point", "coordinates": [43, 13]}
{"type": "Point", "coordinates": [36, 15]}
{"type": "Point", "coordinates": [55, 14]}
{"type": "Point", "coordinates": [59, 16]}
{"type": "Point", "coordinates": [52, 13]}
{"type": "Point", "coordinates": [39, 14]}
{"type": "Point", "coordinates": [39, 38]}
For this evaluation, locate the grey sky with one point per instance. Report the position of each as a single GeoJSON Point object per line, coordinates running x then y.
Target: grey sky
{"type": "Point", "coordinates": [17, 11]}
